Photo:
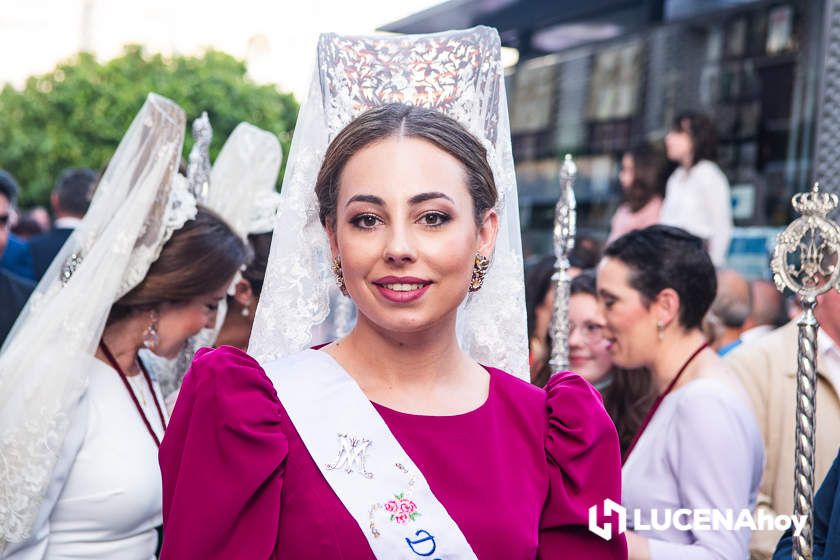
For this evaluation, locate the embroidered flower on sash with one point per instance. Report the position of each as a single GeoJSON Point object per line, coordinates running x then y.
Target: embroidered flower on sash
{"type": "Point", "coordinates": [402, 509]}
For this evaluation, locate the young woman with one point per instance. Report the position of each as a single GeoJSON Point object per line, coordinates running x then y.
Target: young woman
{"type": "Point", "coordinates": [643, 184]}
{"type": "Point", "coordinates": [146, 269]}
{"type": "Point", "coordinates": [697, 197]}
{"type": "Point", "coordinates": [699, 446]}
{"type": "Point", "coordinates": [391, 442]}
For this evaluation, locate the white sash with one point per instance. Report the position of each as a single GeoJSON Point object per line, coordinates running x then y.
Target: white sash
{"type": "Point", "coordinates": [363, 462]}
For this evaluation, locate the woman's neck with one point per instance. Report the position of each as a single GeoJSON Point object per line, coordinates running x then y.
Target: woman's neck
{"type": "Point", "coordinates": [401, 361]}
{"type": "Point", "coordinates": [124, 342]}
{"type": "Point", "coordinates": [687, 163]}
{"type": "Point", "coordinates": [672, 354]}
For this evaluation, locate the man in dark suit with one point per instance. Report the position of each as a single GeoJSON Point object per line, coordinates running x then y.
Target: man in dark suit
{"type": "Point", "coordinates": [14, 290]}
{"type": "Point", "coordinates": [70, 200]}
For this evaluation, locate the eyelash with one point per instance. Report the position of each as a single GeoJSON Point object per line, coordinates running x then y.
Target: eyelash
{"type": "Point", "coordinates": [212, 306]}
{"type": "Point", "coordinates": [357, 221]}
{"type": "Point", "coordinates": [441, 217]}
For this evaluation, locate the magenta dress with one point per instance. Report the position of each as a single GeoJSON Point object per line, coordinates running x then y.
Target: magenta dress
{"type": "Point", "coordinates": [518, 474]}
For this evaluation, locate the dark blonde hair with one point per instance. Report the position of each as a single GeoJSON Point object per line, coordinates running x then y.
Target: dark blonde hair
{"type": "Point", "coordinates": [397, 119]}
{"type": "Point", "coordinates": [200, 257]}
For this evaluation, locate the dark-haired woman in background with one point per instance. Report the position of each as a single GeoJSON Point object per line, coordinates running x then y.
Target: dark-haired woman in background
{"type": "Point", "coordinates": [697, 197]}
{"type": "Point", "coordinates": [627, 394]}
{"type": "Point", "coordinates": [699, 446]}
{"type": "Point", "coordinates": [643, 184]}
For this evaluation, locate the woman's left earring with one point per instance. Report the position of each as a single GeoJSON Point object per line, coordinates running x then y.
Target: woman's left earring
{"type": "Point", "coordinates": [339, 275]}
{"type": "Point", "coordinates": [480, 267]}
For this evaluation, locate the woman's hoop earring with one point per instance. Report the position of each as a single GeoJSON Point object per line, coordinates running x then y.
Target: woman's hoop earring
{"type": "Point", "coordinates": [480, 267]}
{"type": "Point", "coordinates": [339, 275]}
{"type": "Point", "coordinates": [151, 338]}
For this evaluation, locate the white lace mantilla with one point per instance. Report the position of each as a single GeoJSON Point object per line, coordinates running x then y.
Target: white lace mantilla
{"type": "Point", "coordinates": [458, 73]}
{"type": "Point", "coordinates": [45, 361]}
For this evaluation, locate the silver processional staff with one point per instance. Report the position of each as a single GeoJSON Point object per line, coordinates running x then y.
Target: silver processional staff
{"type": "Point", "coordinates": [565, 225]}
{"type": "Point", "coordinates": [806, 260]}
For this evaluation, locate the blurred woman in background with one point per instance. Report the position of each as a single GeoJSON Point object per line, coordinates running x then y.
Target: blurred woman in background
{"type": "Point", "coordinates": [697, 197]}
{"type": "Point", "coordinates": [642, 179]}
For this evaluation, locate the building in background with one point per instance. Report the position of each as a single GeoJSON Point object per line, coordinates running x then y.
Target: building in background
{"type": "Point", "coordinates": [595, 77]}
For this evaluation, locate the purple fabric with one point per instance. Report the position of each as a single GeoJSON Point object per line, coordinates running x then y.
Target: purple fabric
{"type": "Point", "coordinates": [517, 475]}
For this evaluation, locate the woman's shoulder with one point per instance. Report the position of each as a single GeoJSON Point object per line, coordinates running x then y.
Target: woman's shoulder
{"type": "Point", "coordinates": [710, 401]}
{"type": "Point", "coordinates": [232, 380]}
{"type": "Point", "coordinates": [707, 169]}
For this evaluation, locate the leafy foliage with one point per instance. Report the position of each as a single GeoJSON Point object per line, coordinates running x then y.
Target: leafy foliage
{"type": "Point", "coordinates": [77, 114]}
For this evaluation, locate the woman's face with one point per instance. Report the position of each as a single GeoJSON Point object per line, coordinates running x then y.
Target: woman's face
{"type": "Point", "coordinates": [406, 234]}
{"type": "Point", "coordinates": [178, 322]}
{"type": "Point", "coordinates": [589, 356]}
{"type": "Point", "coordinates": [627, 173]}
{"type": "Point", "coordinates": [631, 325]}
{"type": "Point", "coordinates": [678, 145]}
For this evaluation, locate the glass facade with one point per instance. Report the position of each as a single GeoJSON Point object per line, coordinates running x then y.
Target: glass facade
{"type": "Point", "coordinates": [754, 68]}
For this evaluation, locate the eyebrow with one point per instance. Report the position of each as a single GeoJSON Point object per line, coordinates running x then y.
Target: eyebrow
{"type": "Point", "coordinates": [423, 197]}
{"type": "Point", "coordinates": [365, 198]}
{"type": "Point", "coordinates": [416, 199]}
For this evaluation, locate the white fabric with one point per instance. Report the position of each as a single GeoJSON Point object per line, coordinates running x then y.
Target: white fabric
{"type": "Point", "coordinates": [243, 179]}
{"type": "Point", "coordinates": [136, 207]}
{"type": "Point", "coordinates": [324, 402]}
{"type": "Point", "coordinates": [67, 223]}
{"type": "Point", "coordinates": [104, 499]}
{"type": "Point", "coordinates": [458, 73]}
{"type": "Point", "coordinates": [699, 201]}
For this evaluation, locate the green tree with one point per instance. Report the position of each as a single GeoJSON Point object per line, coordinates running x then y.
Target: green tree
{"type": "Point", "coordinates": [77, 114]}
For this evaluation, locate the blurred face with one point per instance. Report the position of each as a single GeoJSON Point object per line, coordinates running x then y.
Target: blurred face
{"type": "Point", "coordinates": [406, 234]}
{"type": "Point", "coordinates": [5, 222]}
{"type": "Point", "coordinates": [178, 322]}
{"type": "Point", "coordinates": [589, 356]}
{"type": "Point", "coordinates": [678, 145]}
{"type": "Point", "coordinates": [631, 331]}
{"type": "Point", "coordinates": [627, 173]}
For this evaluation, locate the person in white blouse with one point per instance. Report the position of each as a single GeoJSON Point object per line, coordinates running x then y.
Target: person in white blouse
{"type": "Point", "coordinates": [81, 418]}
{"type": "Point", "coordinates": [697, 197]}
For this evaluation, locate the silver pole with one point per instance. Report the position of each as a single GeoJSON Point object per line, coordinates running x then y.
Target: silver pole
{"type": "Point", "coordinates": [806, 260]}
{"type": "Point", "coordinates": [198, 166]}
{"type": "Point", "coordinates": [565, 226]}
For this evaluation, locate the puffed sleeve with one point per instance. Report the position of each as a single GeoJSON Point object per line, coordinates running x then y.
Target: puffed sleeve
{"type": "Point", "coordinates": [584, 469]}
{"type": "Point", "coordinates": [222, 461]}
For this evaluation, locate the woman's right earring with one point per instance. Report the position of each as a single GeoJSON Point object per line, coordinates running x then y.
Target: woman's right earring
{"type": "Point", "coordinates": [660, 328]}
{"type": "Point", "coordinates": [339, 275]}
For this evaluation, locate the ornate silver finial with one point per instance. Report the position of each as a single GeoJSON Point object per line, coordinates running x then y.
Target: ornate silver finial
{"type": "Point", "coordinates": [807, 252]}
{"type": "Point", "coordinates": [198, 168]}
{"type": "Point", "coordinates": [565, 225]}
{"type": "Point", "coordinates": [805, 261]}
